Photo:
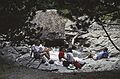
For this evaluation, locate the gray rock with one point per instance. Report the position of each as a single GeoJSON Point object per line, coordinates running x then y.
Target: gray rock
{"type": "Point", "coordinates": [100, 65]}
{"type": "Point", "coordinates": [51, 23]}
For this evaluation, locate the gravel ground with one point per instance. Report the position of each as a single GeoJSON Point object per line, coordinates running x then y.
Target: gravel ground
{"type": "Point", "coordinates": [10, 71]}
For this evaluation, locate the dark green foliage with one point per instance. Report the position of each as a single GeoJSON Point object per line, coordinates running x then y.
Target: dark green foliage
{"type": "Point", "coordinates": [92, 8]}
{"type": "Point", "coordinates": [14, 13]}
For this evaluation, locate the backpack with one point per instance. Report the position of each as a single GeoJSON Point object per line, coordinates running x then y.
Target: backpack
{"type": "Point", "coordinates": [51, 62]}
{"type": "Point", "coordinates": [77, 65]}
{"type": "Point", "coordinates": [66, 63]}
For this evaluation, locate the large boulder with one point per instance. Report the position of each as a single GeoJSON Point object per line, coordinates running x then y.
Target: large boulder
{"type": "Point", "coordinates": [9, 53]}
{"type": "Point", "coordinates": [53, 24]}
{"type": "Point", "coordinates": [116, 66]}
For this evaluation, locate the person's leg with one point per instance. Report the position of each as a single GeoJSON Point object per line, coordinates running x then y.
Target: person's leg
{"type": "Point", "coordinates": [47, 55]}
{"type": "Point", "coordinates": [90, 56]}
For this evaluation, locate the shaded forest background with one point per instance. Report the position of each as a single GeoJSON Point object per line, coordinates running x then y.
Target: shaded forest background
{"type": "Point", "coordinates": [16, 16]}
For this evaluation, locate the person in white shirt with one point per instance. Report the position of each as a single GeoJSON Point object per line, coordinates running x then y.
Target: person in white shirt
{"type": "Point", "coordinates": [40, 51]}
{"type": "Point", "coordinates": [70, 58]}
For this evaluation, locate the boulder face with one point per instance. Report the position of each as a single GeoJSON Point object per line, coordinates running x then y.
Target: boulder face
{"type": "Point", "coordinates": [91, 65]}
{"type": "Point", "coordinates": [52, 23]}
{"type": "Point", "coordinates": [98, 39]}
{"type": "Point", "coordinates": [101, 65]}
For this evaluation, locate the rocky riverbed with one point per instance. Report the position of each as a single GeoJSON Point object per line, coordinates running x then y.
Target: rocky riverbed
{"type": "Point", "coordinates": [110, 64]}
{"type": "Point", "coordinates": [92, 69]}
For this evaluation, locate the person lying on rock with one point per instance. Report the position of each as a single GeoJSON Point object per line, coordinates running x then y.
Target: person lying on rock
{"type": "Point", "coordinates": [102, 54]}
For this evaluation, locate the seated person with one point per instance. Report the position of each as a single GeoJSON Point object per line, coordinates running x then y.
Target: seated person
{"type": "Point", "coordinates": [69, 55]}
{"type": "Point", "coordinates": [102, 54]}
{"type": "Point", "coordinates": [40, 51]}
{"type": "Point", "coordinates": [61, 53]}
{"type": "Point", "coordinates": [70, 59]}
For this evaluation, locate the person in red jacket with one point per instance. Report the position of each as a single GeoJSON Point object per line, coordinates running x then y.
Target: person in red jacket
{"type": "Point", "coordinates": [61, 53]}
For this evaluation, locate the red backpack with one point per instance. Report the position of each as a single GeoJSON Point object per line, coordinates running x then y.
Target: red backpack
{"type": "Point", "coordinates": [77, 65]}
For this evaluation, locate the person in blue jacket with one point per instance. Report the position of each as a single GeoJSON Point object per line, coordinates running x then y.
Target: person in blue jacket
{"type": "Point", "coordinates": [102, 54]}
